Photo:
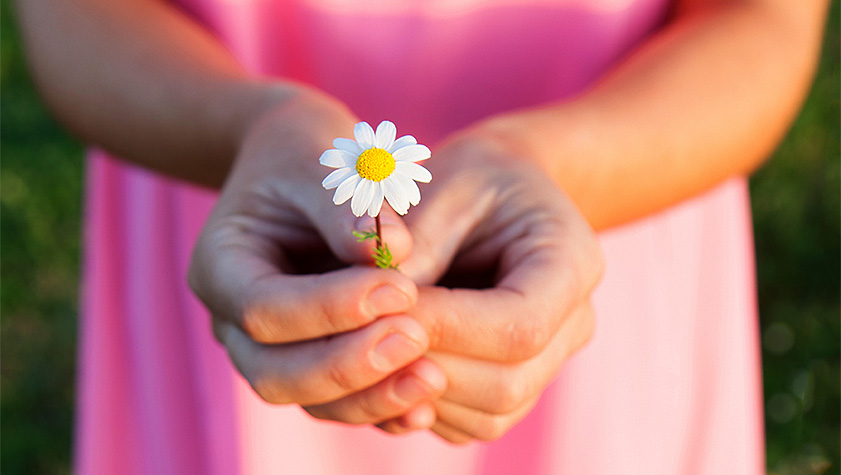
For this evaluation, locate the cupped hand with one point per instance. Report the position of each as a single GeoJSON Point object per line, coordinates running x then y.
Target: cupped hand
{"type": "Point", "coordinates": [519, 263]}
{"type": "Point", "coordinates": [271, 265]}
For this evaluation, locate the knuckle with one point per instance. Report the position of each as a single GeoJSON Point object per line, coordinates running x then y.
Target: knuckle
{"type": "Point", "coordinates": [436, 328]}
{"type": "Point", "coordinates": [345, 314]}
{"type": "Point", "coordinates": [256, 321]}
{"type": "Point", "coordinates": [341, 310]}
{"type": "Point", "coordinates": [490, 428]}
{"type": "Point", "coordinates": [340, 378]}
{"type": "Point", "coordinates": [328, 314]}
{"type": "Point", "coordinates": [372, 409]}
{"type": "Point", "coordinates": [268, 389]}
{"type": "Point", "coordinates": [511, 393]}
{"type": "Point", "coordinates": [527, 338]}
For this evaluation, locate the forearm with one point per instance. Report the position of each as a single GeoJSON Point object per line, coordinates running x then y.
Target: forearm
{"type": "Point", "coordinates": [706, 99]}
{"type": "Point", "coordinates": [143, 81]}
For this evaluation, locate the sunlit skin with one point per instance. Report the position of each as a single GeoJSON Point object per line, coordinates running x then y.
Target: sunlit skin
{"type": "Point", "coordinates": [705, 99]}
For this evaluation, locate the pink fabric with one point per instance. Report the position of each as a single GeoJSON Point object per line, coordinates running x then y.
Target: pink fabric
{"type": "Point", "coordinates": [668, 384]}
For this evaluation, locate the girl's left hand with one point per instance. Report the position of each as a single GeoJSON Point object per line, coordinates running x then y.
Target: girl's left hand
{"type": "Point", "coordinates": [515, 263]}
{"type": "Point", "coordinates": [519, 262]}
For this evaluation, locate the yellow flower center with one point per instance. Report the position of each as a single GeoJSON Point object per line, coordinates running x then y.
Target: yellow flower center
{"type": "Point", "coordinates": [375, 164]}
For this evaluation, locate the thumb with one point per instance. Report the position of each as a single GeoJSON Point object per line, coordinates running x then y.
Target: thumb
{"type": "Point", "coordinates": [336, 224]}
{"type": "Point", "coordinates": [439, 228]}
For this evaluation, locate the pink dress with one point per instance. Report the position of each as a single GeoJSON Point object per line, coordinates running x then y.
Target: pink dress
{"type": "Point", "coordinates": [669, 384]}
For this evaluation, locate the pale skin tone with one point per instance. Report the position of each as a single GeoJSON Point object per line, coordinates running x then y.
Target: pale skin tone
{"type": "Point", "coordinates": [705, 99]}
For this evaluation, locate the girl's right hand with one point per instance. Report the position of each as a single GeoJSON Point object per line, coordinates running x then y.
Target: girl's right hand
{"type": "Point", "coordinates": [271, 265]}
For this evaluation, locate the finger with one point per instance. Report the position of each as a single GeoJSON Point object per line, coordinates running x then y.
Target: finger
{"type": "Point", "coordinates": [439, 228]}
{"type": "Point", "coordinates": [419, 417]}
{"type": "Point", "coordinates": [419, 382]}
{"type": "Point", "coordinates": [336, 225]}
{"type": "Point", "coordinates": [319, 371]}
{"type": "Point", "coordinates": [237, 275]}
{"type": "Point", "coordinates": [477, 424]}
{"type": "Point", "coordinates": [450, 433]}
{"type": "Point", "coordinates": [282, 308]}
{"type": "Point", "coordinates": [500, 388]}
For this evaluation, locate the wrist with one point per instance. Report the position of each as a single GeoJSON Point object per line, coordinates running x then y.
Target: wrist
{"type": "Point", "coordinates": [288, 106]}
{"type": "Point", "coordinates": [514, 136]}
{"type": "Point", "coordinates": [286, 134]}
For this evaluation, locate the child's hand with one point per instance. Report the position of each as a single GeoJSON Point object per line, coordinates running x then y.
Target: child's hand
{"type": "Point", "coordinates": [496, 224]}
{"type": "Point", "coordinates": [322, 336]}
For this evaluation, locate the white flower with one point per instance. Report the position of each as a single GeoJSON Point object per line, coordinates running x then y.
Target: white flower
{"type": "Point", "coordinates": [376, 166]}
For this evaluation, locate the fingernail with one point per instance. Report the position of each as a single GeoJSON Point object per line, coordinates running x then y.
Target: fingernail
{"type": "Point", "coordinates": [364, 223]}
{"type": "Point", "coordinates": [420, 383]}
{"type": "Point", "coordinates": [394, 351]}
{"type": "Point", "coordinates": [387, 299]}
{"type": "Point", "coordinates": [367, 223]}
{"type": "Point", "coordinates": [390, 220]}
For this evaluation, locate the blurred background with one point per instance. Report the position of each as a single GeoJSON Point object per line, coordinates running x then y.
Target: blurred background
{"type": "Point", "coordinates": [796, 217]}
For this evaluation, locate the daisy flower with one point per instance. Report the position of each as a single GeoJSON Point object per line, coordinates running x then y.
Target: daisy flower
{"type": "Point", "coordinates": [376, 166]}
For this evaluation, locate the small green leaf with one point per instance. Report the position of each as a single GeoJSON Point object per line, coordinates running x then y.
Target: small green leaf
{"type": "Point", "coordinates": [364, 235]}
{"type": "Point", "coordinates": [382, 256]}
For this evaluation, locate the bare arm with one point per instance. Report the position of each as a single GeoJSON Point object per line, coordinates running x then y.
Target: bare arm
{"type": "Point", "coordinates": [706, 99]}
{"type": "Point", "coordinates": [145, 82]}
{"type": "Point", "coordinates": [141, 79]}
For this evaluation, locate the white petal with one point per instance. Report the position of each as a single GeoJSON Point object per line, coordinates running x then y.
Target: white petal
{"type": "Point", "coordinates": [364, 135]}
{"type": "Point", "coordinates": [345, 190]}
{"type": "Point", "coordinates": [362, 196]}
{"type": "Point", "coordinates": [337, 158]}
{"type": "Point", "coordinates": [377, 201]}
{"type": "Point", "coordinates": [409, 187]}
{"type": "Point", "coordinates": [414, 171]}
{"type": "Point", "coordinates": [395, 196]}
{"type": "Point", "coordinates": [348, 145]}
{"type": "Point", "coordinates": [412, 153]}
{"type": "Point", "coordinates": [336, 177]}
{"type": "Point", "coordinates": [386, 132]}
{"type": "Point", "coordinates": [402, 142]}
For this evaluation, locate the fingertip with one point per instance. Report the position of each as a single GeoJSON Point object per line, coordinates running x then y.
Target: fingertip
{"type": "Point", "coordinates": [432, 376]}
{"type": "Point", "coordinates": [395, 234]}
{"type": "Point", "coordinates": [387, 299]}
{"type": "Point", "coordinates": [422, 416]}
{"type": "Point", "coordinates": [403, 283]}
{"type": "Point", "coordinates": [412, 330]}
{"type": "Point", "coordinates": [393, 426]}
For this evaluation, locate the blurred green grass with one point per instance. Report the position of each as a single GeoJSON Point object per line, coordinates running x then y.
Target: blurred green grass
{"type": "Point", "coordinates": [796, 216]}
